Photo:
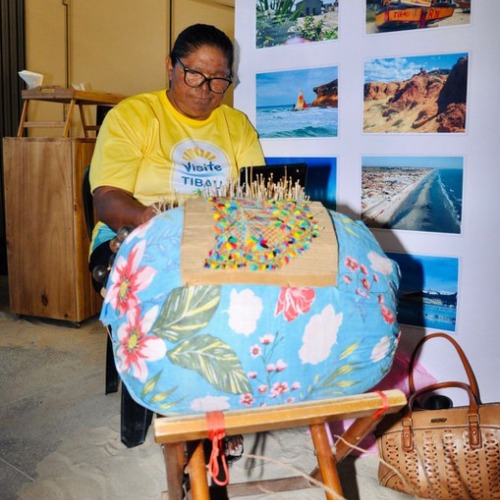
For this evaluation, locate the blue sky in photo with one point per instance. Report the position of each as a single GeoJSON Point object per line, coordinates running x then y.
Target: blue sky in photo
{"type": "Point", "coordinates": [439, 162]}
{"type": "Point", "coordinates": [401, 68]}
{"type": "Point", "coordinates": [280, 88]}
{"type": "Point", "coordinates": [437, 273]}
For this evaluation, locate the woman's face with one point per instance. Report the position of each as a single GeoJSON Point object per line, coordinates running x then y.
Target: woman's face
{"type": "Point", "coordinates": [197, 103]}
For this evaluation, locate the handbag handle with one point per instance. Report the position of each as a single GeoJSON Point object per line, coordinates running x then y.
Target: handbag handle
{"type": "Point", "coordinates": [465, 362]}
{"type": "Point", "coordinates": [473, 403]}
{"type": "Point", "coordinates": [472, 415]}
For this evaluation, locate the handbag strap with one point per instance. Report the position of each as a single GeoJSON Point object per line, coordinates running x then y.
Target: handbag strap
{"type": "Point", "coordinates": [465, 362]}
{"type": "Point", "coordinates": [473, 403]}
{"type": "Point", "coordinates": [472, 423]}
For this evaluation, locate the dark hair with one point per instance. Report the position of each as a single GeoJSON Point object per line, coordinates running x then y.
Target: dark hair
{"type": "Point", "coordinates": [198, 35]}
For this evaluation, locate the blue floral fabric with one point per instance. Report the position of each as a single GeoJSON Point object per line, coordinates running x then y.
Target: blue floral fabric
{"type": "Point", "coordinates": [195, 349]}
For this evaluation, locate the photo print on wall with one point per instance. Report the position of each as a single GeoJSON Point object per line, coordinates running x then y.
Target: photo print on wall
{"type": "Point", "coordinates": [321, 178]}
{"type": "Point", "coordinates": [299, 103]}
{"type": "Point", "coordinates": [395, 15]}
{"type": "Point", "coordinates": [291, 22]}
{"type": "Point", "coordinates": [428, 291]}
{"type": "Point", "coordinates": [418, 193]}
{"type": "Point", "coordinates": [416, 94]}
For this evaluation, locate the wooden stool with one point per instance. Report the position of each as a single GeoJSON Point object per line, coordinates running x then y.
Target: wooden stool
{"type": "Point", "coordinates": [176, 434]}
{"type": "Point", "coordinates": [64, 96]}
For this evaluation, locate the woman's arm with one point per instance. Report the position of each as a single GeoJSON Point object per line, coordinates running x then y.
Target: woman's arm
{"type": "Point", "coordinates": [117, 208]}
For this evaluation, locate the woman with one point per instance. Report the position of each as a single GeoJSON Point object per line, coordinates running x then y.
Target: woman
{"type": "Point", "coordinates": [163, 147]}
{"type": "Point", "coordinates": [166, 146]}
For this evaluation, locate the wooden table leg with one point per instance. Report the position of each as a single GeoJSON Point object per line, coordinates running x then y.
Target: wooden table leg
{"type": "Point", "coordinates": [356, 432]}
{"type": "Point", "coordinates": [69, 115]}
{"type": "Point", "coordinates": [174, 462]}
{"type": "Point", "coordinates": [198, 473]}
{"type": "Point", "coordinates": [24, 115]}
{"type": "Point", "coordinates": [326, 461]}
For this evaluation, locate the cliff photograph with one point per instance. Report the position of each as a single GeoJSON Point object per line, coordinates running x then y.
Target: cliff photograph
{"type": "Point", "coordinates": [421, 94]}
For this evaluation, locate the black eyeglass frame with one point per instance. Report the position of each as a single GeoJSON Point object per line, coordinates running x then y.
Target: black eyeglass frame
{"type": "Point", "coordinates": [229, 81]}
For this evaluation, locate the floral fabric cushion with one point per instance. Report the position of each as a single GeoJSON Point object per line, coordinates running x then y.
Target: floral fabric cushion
{"type": "Point", "coordinates": [201, 348]}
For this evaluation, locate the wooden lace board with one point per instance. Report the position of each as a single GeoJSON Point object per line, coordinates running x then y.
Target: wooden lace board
{"type": "Point", "coordinates": [317, 266]}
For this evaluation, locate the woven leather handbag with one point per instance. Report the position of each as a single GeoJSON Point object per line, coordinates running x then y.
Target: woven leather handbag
{"type": "Point", "coordinates": [444, 454]}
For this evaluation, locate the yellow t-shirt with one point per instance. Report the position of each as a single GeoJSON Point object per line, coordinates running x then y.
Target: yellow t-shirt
{"type": "Point", "coordinates": [145, 146]}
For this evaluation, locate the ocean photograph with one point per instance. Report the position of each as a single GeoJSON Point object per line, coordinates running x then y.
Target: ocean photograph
{"type": "Point", "coordinates": [416, 94]}
{"type": "Point", "coordinates": [428, 291]}
{"type": "Point", "coordinates": [298, 103]}
{"type": "Point", "coordinates": [321, 180]}
{"type": "Point", "coordinates": [420, 193]}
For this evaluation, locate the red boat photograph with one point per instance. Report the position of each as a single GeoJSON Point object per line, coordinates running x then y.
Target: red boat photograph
{"type": "Point", "coordinates": [393, 15]}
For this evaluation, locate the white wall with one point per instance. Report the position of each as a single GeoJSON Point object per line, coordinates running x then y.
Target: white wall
{"type": "Point", "coordinates": [477, 246]}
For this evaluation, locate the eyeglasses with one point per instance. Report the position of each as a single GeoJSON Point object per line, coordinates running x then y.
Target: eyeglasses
{"type": "Point", "coordinates": [195, 79]}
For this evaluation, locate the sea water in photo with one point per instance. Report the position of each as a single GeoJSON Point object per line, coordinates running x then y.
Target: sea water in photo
{"type": "Point", "coordinates": [435, 205]}
{"type": "Point", "coordinates": [452, 183]}
{"type": "Point", "coordinates": [285, 122]}
{"type": "Point", "coordinates": [428, 291]}
{"type": "Point", "coordinates": [437, 310]}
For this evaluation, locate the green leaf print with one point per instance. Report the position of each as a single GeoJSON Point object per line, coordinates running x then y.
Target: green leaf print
{"type": "Point", "coordinates": [186, 311]}
{"type": "Point", "coordinates": [150, 385]}
{"type": "Point", "coordinates": [162, 396]}
{"type": "Point", "coordinates": [345, 384]}
{"type": "Point", "coordinates": [159, 397]}
{"type": "Point", "coordinates": [349, 350]}
{"type": "Point", "coordinates": [214, 360]}
{"type": "Point", "coordinates": [331, 380]}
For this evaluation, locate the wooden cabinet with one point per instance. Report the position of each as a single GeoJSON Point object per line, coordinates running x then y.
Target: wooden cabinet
{"type": "Point", "coordinates": [47, 241]}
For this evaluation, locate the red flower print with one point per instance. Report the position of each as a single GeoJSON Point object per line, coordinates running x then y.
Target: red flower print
{"type": "Point", "coordinates": [280, 365]}
{"type": "Point", "coordinates": [247, 399]}
{"type": "Point", "coordinates": [279, 388]}
{"type": "Point", "coordinates": [136, 346]}
{"type": "Point", "coordinates": [351, 263]}
{"type": "Point", "coordinates": [255, 351]}
{"type": "Point", "coordinates": [267, 339]}
{"type": "Point", "coordinates": [365, 283]}
{"type": "Point", "coordinates": [128, 279]}
{"type": "Point", "coordinates": [387, 314]}
{"type": "Point", "coordinates": [294, 301]}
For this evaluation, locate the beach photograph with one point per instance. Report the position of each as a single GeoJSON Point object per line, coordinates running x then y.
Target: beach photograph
{"type": "Point", "coordinates": [383, 16]}
{"type": "Point", "coordinates": [414, 193]}
{"type": "Point", "coordinates": [297, 103]}
{"type": "Point", "coordinates": [416, 94]}
{"type": "Point", "coordinates": [292, 22]}
{"type": "Point", "coordinates": [321, 179]}
{"type": "Point", "coordinates": [428, 291]}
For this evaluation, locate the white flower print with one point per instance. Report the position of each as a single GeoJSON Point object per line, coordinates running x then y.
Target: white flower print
{"type": "Point", "coordinates": [245, 310]}
{"type": "Point", "coordinates": [320, 335]}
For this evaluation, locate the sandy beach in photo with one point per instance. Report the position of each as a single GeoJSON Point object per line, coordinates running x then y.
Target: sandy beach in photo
{"type": "Point", "coordinates": [386, 190]}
